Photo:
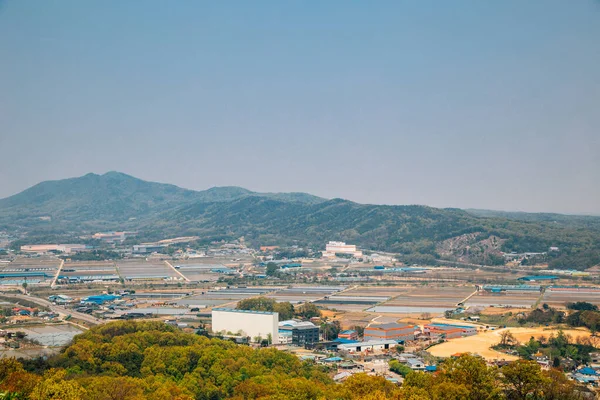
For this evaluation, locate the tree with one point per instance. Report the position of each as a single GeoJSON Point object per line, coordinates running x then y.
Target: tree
{"type": "Point", "coordinates": [285, 310]}
{"type": "Point", "coordinates": [272, 269]}
{"type": "Point", "coordinates": [55, 386]}
{"type": "Point", "coordinates": [523, 379]}
{"type": "Point", "coordinates": [582, 306]}
{"type": "Point", "coordinates": [360, 330]}
{"type": "Point", "coordinates": [507, 339]}
{"type": "Point", "coordinates": [308, 311]}
{"type": "Point", "coordinates": [399, 368]}
{"type": "Point", "coordinates": [330, 330]}
{"type": "Point", "coordinates": [556, 386]}
{"type": "Point", "coordinates": [418, 379]}
{"type": "Point", "coordinates": [473, 373]}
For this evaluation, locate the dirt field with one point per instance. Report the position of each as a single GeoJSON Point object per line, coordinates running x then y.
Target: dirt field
{"type": "Point", "coordinates": [481, 343]}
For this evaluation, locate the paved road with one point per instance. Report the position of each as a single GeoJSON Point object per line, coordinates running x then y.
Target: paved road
{"type": "Point", "coordinates": [57, 309]}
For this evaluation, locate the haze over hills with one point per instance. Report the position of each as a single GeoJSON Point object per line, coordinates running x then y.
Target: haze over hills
{"type": "Point", "coordinates": [115, 201]}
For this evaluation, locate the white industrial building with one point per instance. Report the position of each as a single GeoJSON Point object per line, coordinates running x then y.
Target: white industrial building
{"type": "Point", "coordinates": [371, 345]}
{"type": "Point", "coordinates": [247, 322]}
{"type": "Point", "coordinates": [333, 248]}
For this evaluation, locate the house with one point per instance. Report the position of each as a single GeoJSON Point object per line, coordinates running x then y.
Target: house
{"type": "Point", "coordinates": [587, 371]}
{"type": "Point", "coordinates": [391, 331]}
{"type": "Point", "coordinates": [342, 376]}
{"type": "Point", "coordinates": [586, 379]}
{"type": "Point", "coordinates": [416, 364]}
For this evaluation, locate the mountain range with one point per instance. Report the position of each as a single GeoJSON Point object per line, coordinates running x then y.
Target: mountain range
{"type": "Point", "coordinates": [56, 210]}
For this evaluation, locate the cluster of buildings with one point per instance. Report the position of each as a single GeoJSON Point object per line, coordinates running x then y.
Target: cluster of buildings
{"type": "Point", "coordinates": [260, 325]}
{"type": "Point", "coordinates": [113, 237]}
{"type": "Point", "coordinates": [334, 249]}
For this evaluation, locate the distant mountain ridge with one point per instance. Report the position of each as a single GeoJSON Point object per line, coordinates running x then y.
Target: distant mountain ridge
{"type": "Point", "coordinates": [119, 197]}
{"type": "Point", "coordinates": [115, 201]}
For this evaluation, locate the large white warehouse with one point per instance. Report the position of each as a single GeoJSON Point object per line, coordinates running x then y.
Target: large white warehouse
{"type": "Point", "coordinates": [250, 323]}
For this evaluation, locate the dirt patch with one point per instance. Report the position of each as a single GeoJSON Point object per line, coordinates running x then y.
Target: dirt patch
{"type": "Point", "coordinates": [480, 344]}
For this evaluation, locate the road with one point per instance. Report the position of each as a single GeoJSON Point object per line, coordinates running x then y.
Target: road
{"type": "Point", "coordinates": [57, 309]}
{"type": "Point", "coordinates": [60, 267]}
{"type": "Point", "coordinates": [175, 269]}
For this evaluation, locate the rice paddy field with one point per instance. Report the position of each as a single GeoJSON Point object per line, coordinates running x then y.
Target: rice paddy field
{"type": "Point", "coordinates": [145, 270]}
{"type": "Point", "coordinates": [425, 299]}
{"type": "Point", "coordinates": [89, 271]}
{"type": "Point", "coordinates": [504, 300]}
{"type": "Point", "coordinates": [558, 296]}
{"type": "Point", "coordinates": [197, 272]}
{"type": "Point", "coordinates": [215, 298]}
{"type": "Point", "coordinates": [35, 270]}
{"type": "Point", "coordinates": [301, 294]}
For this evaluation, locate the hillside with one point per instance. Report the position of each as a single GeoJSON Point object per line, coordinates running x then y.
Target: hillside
{"type": "Point", "coordinates": [97, 201]}
{"type": "Point", "coordinates": [420, 233]}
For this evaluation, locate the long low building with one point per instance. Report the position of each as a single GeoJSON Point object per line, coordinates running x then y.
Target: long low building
{"type": "Point", "coordinates": [511, 288]}
{"type": "Point", "coordinates": [369, 345]}
{"type": "Point", "coordinates": [45, 248]}
{"type": "Point", "coordinates": [246, 322]}
{"type": "Point", "coordinates": [451, 331]}
{"type": "Point", "coordinates": [392, 331]}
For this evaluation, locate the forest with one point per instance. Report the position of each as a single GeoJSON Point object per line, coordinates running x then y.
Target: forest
{"type": "Point", "coordinates": [152, 360]}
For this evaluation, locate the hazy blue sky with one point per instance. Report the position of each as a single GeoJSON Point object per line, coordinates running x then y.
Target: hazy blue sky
{"type": "Point", "coordinates": [486, 104]}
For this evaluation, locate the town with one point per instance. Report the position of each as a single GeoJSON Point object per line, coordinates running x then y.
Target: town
{"type": "Point", "coordinates": [351, 310]}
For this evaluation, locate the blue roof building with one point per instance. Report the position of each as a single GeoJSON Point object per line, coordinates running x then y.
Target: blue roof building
{"type": "Point", "coordinates": [291, 265]}
{"type": "Point", "coordinates": [533, 278]}
{"type": "Point", "coordinates": [587, 371]}
{"type": "Point", "coordinates": [101, 299]}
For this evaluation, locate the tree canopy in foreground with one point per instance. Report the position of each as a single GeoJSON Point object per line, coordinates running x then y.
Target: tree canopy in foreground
{"type": "Point", "coordinates": [152, 360]}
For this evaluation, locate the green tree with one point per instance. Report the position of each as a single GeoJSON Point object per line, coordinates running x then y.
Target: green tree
{"type": "Point", "coordinates": [272, 269]}
{"type": "Point", "coordinates": [399, 368]}
{"type": "Point", "coordinates": [285, 310]}
{"type": "Point", "coordinates": [308, 311]}
{"type": "Point", "coordinates": [55, 386]}
{"type": "Point", "coordinates": [523, 379]}
{"type": "Point", "coordinates": [474, 374]}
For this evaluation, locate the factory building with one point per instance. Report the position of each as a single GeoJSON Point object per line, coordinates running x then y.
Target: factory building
{"type": "Point", "coordinates": [147, 248]}
{"type": "Point", "coordinates": [112, 237]}
{"type": "Point", "coordinates": [45, 248]}
{"type": "Point", "coordinates": [509, 288]}
{"type": "Point", "coordinates": [250, 323]}
{"type": "Point", "coordinates": [534, 278]}
{"type": "Point", "coordinates": [371, 346]}
{"type": "Point", "coordinates": [101, 299]}
{"type": "Point", "coordinates": [334, 248]}
{"type": "Point", "coordinates": [392, 331]}
{"type": "Point", "coordinates": [298, 333]}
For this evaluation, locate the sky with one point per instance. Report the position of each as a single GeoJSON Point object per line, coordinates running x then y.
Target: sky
{"type": "Point", "coordinates": [469, 104]}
